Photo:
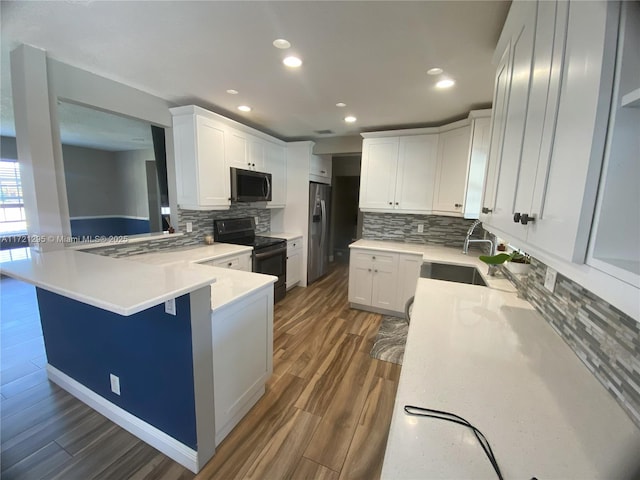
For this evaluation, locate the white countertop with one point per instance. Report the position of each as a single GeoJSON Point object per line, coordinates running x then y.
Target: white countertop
{"type": "Point", "coordinates": [491, 358]}
{"type": "Point", "coordinates": [230, 286]}
{"type": "Point", "coordinates": [117, 285]}
{"type": "Point", "coordinates": [284, 235]}
{"type": "Point", "coordinates": [191, 254]}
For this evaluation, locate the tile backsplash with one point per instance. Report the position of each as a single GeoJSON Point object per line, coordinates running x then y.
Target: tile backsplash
{"type": "Point", "coordinates": [605, 339]}
{"type": "Point", "coordinates": [438, 230]}
{"type": "Point", "coordinates": [202, 225]}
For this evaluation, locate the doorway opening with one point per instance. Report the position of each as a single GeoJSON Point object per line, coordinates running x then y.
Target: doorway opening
{"type": "Point", "coordinates": [346, 218]}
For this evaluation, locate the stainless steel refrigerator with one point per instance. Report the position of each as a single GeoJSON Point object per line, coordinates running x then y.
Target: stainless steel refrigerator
{"type": "Point", "coordinates": [319, 207]}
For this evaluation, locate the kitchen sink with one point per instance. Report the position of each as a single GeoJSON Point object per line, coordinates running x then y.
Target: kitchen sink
{"type": "Point", "coordinates": [452, 273]}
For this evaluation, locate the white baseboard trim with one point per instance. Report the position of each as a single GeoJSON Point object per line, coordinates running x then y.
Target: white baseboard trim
{"type": "Point", "coordinates": [185, 456]}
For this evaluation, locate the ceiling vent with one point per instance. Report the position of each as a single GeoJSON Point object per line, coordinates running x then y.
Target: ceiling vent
{"type": "Point", "coordinates": [323, 132]}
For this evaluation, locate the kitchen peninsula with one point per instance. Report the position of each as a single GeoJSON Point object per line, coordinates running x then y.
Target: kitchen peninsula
{"type": "Point", "coordinates": [135, 341]}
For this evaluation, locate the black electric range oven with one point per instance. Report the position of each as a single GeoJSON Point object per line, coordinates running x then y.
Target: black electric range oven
{"type": "Point", "coordinates": [269, 254]}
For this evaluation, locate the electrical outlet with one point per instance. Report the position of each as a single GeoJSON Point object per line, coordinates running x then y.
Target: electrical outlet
{"type": "Point", "coordinates": [170, 306]}
{"type": "Point", "coordinates": [115, 383]}
{"type": "Point", "coordinates": [550, 279]}
{"type": "Point", "coordinates": [257, 219]}
{"type": "Point", "coordinates": [189, 227]}
{"type": "Point", "coordinates": [421, 228]}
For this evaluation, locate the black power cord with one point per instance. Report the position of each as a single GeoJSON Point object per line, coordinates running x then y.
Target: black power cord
{"type": "Point", "coordinates": [451, 417]}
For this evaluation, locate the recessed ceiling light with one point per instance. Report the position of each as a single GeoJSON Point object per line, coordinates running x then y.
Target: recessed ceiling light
{"type": "Point", "coordinates": [447, 83]}
{"type": "Point", "coordinates": [244, 108]}
{"type": "Point", "coordinates": [232, 91]}
{"type": "Point", "coordinates": [292, 62]}
{"type": "Point", "coordinates": [341, 105]}
{"type": "Point", "coordinates": [434, 71]}
{"type": "Point", "coordinates": [281, 43]}
{"type": "Point", "coordinates": [350, 119]}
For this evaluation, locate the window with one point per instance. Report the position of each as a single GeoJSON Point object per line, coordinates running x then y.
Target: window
{"type": "Point", "coordinates": [12, 219]}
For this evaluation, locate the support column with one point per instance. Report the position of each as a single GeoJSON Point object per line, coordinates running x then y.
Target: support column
{"type": "Point", "coordinates": [45, 208]}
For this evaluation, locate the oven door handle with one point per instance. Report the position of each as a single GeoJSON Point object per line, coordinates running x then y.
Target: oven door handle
{"type": "Point", "coordinates": [273, 253]}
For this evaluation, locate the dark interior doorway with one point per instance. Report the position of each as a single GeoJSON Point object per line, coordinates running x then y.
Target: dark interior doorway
{"type": "Point", "coordinates": [345, 220]}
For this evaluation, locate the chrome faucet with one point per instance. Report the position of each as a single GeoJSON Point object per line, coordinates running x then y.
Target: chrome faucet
{"type": "Point", "coordinates": [468, 240]}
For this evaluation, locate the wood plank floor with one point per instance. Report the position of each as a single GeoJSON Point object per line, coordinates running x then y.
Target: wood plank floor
{"type": "Point", "coordinates": [325, 414]}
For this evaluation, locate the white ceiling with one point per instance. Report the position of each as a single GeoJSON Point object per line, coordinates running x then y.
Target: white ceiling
{"type": "Point", "coordinates": [372, 55]}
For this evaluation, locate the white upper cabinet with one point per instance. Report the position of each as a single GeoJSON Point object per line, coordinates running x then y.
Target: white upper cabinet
{"type": "Point", "coordinates": [237, 149]}
{"type": "Point", "coordinates": [427, 170]}
{"type": "Point", "coordinates": [498, 122]}
{"type": "Point", "coordinates": [257, 153]}
{"type": "Point", "coordinates": [549, 154]}
{"type": "Point", "coordinates": [480, 139]}
{"type": "Point", "coordinates": [522, 24]}
{"type": "Point", "coordinates": [451, 172]}
{"type": "Point", "coordinates": [397, 173]}
{"type": "Point", "coordinates": [201, 174]}
{"type": "Point", "coordinates": [615, 242]}
{"type": "Point", "coordinates": [416, 167]}
{"type": "Point", "coordinates": [275, 163]}
{"type": "Point", "coordinates": [207, 145]}
{"type": "Point", "coordinates": [379, 166]}
{"type": "Point", "coordinates": [320, 168]}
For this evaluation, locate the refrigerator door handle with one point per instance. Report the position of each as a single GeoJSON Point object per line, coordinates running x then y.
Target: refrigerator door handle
{"type": "Point", "coordinates": [323, 235]}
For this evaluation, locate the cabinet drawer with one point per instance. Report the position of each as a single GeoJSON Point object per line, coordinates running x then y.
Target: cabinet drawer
{"type": "Point", "coordinates": [295, 244]}
{"type": "Point", "coordinates": [238, 262]}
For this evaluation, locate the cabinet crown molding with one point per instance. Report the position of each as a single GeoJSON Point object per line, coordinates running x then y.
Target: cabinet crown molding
{"type": "Point", "coordinates": [196, 110]}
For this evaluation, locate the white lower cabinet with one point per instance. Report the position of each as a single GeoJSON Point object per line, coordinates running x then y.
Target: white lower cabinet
{"type": "Point", "coordinates": [242, 357]}
{"type": "Point", "coordinates": [382, 281]}
{"type": "Point", "coordinates": [234, 262]}
{"type": "Point", "coordinates": [294, 262]}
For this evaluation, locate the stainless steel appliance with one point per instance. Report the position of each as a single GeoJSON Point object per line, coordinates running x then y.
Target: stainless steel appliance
{"type": "Point", "coordinates": [318, 254]}
{"type": "Point", "coordinates": [269, 254]}
{"type": "Point", "coordinates": [250, 186]}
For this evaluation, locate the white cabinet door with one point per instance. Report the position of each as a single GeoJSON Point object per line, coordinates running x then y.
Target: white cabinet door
{"type": "Point", "coordinates": [498, 122]}
{"type": "Point", "coordinates": [294, 262]}
{"type": "Point", "coordinates": [237, 154]}
{"type": "Point", "coordinates": [373, 279]}
{"type": "Point", "coordinates": [275, 163]}
{"type": "Point", "coordinates": [202, 177]}
{"type": "Point", "coordinates": [480, 138]}
{"type": "Point", "coordinates": [360, 277]}
{"type": "Point", "coordinates": [451, 172]}
{"type": "Point", "coordinates": [385, 278]}
{"type": "Point", "coordinates": [320, 168]}
{"type": "Point", "coordinates": [378, 179]}
{"type": "Point", "coordinates": [242, 357]}
{"type": "Point", "coordinates": [416, 172]}
{"type": "Point", "coordinates": [257, 149]}
{"type": "Point", "coordinates": [522, 42]}
{"type": "Point", "coordinates": [408, 273]}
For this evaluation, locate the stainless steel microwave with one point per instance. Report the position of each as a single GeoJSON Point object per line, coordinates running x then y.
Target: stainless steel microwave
{"type": "Point", "coordinates": [250, 186]}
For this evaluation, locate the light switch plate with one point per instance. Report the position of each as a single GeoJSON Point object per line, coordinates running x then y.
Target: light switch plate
{"type": "Point", "coordinates": [550, 279]}
{"type": "Point", "coordinates": [115, 383]}
{"type": "Point", "coordinates": [257, 219]}
{"type": "Point", "coordinates": [189, 227]}
{"type": "Point", "coordinates": [170, 306]}
{"type": "Point", "coordinates": [421, 228]}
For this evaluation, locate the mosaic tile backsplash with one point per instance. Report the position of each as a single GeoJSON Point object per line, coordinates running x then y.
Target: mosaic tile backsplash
{"type": "Point", "coordinates": [438, 230]}
{"type": "Point", "coordinates": [202, 225]}
{"type": "Point", "coordinates": [605, 339]}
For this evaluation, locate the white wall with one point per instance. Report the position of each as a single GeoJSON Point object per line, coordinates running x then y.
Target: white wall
{"type": "Point", "coordinates": [338, 145]}
{"type": "Point", "coordinates": [295, 217]}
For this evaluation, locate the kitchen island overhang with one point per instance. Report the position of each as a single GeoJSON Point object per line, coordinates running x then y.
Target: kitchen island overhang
{"type": "Point", "coordinates": [103, 316]}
